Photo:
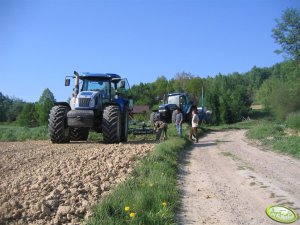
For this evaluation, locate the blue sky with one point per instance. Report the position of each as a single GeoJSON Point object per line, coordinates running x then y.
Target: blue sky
{"type": "Point", "coordinates": [42, 41]}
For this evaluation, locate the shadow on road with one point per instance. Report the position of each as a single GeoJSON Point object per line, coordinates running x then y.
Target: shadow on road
{"type": "Point", "coordinates": [204, 144]}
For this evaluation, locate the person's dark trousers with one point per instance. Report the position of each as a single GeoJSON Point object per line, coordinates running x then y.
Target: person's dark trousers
{"type": "Point", "coordinates": [194, 132]}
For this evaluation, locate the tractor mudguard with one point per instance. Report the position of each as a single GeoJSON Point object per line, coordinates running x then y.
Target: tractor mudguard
{"type": "Point", "coordinates": [63, 104]}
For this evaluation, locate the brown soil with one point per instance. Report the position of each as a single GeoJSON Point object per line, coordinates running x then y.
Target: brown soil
{"type": "Point", "coordinates": [45, 183]}
{"type": "Point", "coordinates": [228, 180]}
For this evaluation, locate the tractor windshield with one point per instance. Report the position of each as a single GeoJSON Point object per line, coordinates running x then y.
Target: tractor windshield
{"type": "Point", "coordinates": [173, 100]}
{"type": "Point", "coordinates": [180, 100]}
{"type": "Point", "coordinates": [94, 85]}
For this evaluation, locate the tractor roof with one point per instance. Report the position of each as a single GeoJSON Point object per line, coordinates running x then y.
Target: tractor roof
{"type": "Point", "coordinates": [174, 94]}
{"type": "Point", "coordinates": [99, 75]}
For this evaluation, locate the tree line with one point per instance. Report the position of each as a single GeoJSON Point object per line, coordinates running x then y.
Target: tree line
{"type": "Point", "coordinates": [24, 113]}
{"type": "Point", "coordinates": [230, 96]}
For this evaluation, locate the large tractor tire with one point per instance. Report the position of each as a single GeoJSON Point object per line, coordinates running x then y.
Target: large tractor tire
{"type": "Point", "coordinates": [124, 129]}
{"type": "Point", "coordinates": [79, 134]}
{"type": "Point", "coordinates": [58, 124]}
{"type": "Point", "coordinates": [111, 125]}
{"type": "Point", "coordinates": [174, 113]}
{"type": "Point", "coordinates": [154, 116]}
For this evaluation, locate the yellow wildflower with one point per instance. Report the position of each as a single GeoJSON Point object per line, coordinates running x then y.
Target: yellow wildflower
{"type": "Point", "coordinates": [127, 208]}
{"type": "Point", "coordinates": [164, 204]}
{"type": "Point", "coordinates": [132, 215]}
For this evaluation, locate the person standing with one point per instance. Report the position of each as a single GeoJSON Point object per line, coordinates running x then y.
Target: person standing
{"type": "Point", "coordinates": [178, 121]}
{"type": "Point", "coordinates": [195, 124]}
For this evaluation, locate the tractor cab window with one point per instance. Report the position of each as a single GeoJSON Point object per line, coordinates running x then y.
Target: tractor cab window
{"type": "Point", "coordinates": [123, 88]}
{"type": "Point", "coordinates": [94, 85]}
{"type": "Point", "coordinates": [184, 102]}
{"type": "Point", "coordinates": [173, 100]}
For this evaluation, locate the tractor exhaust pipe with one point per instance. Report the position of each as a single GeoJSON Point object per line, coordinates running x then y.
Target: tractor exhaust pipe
{"type": "Point", "coordinates": [76, 89]}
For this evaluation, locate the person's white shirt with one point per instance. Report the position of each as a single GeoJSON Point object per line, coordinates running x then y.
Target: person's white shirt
{"type": "Point", "coordinates": [195, 120]}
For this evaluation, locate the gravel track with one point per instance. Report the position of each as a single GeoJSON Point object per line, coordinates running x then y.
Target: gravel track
{"type": "Point", "coordinates": [227, 180]}
{"type": "Point", "coordinates": [45, 183]}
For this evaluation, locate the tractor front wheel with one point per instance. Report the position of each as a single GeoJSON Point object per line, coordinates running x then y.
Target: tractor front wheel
{"type": "Point", "coordinates": [58, 124]}
{"type": "Point", "coordinates": [111, 125]}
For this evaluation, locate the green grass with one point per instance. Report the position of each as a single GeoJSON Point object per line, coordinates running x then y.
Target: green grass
{"type": "Point", "coordinates": [247, 124]}
{"type": "Point", "coordinates": [289, 145]}
{"type": "Point", "coordinates": [152, 183]}
{"type": "Point", "coordinates": [265, 129]}
{"type": "Point", "coordinates": [15, 133]}
{"type": "Point", "coordinates": [273, 135]}
{"type": "Point", "coordinates": [293, 121]}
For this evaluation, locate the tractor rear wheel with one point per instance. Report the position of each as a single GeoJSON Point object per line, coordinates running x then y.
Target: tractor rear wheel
{"type": "Point", "coordinates": [79, 134]}
{"type": "Point", "coordinates": [174, 113]}
{"type": "Point", "coordinates": [154, 116]}
{"type": "Point", "coordinates": [111, 125]}
{"type": "Point", "coordinates": [58, 124]}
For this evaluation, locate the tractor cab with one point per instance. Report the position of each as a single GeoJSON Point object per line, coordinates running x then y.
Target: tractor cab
{"type": "Point", "coordinates": [180, 99]}
{"type": "Point", "coordinates": [172, 101]}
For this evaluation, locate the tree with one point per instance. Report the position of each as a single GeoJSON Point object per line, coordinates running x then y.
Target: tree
{"type": "Point", "coordinates": [5, 103]}
{"type": "Point", "coordinates": [28, 116]}
{"type": "Point", "coordinates": [181, 80]}
{"type": "Point", "coordinates": [194, 88]}
{"type": "Point", "coordinates": [144, 94]}
{"type": "Point", "coordinates": [15, 109]}
{"type": "Point", "coordinates": [287, 33]}
{"type": "Point", "coordinates": [161, 86]}
{"type": "Point", "coordinates": [280, 93]}
{"type": "Point", "coordinates": [45, 103]}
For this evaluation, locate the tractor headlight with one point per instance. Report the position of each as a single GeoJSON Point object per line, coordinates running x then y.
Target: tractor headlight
{"type": "Point", "coordinates": [92, 103]}
{"type": "Point", "coordinates": [76, 103]}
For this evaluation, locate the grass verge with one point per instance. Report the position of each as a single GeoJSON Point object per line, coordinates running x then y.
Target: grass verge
{"type": "Point", "coordinates": [284, 137]}
{"type": "Point", "coordinates": [151, 193]}
{"type": "Point", "coordinates": [293, 121]}
{"type": "Point", "coordinates": [274, 135]}
{"type": "Point", "coordinates": [15, 133]}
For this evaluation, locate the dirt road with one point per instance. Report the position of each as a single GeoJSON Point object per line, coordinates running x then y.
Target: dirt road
{"type": "Point", "coordinates": [227, 180]}
{"type": "Point", "coordinates": [44, 183]}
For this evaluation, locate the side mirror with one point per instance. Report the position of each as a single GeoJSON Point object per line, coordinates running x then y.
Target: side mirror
{"type": "Point", "coordinates": [122, 84]}
{"type": "Point", "coordinates": [67, 82]}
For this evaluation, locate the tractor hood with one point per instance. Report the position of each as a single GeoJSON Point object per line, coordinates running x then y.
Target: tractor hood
{"type": "Point", "coordinates": [87, 94]}
{"type": "Point", "coordinates": [87, 100]}
{"type": "Point", "coordinates": [165, 107]}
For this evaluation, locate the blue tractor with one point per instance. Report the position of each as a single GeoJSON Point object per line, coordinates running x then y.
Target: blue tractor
{"type": "Point", "coordinates": [167, 111]}
{"type": "Point", "coordinates": [100, 102]}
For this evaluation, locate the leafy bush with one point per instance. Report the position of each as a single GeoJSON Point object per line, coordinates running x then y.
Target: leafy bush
{"type": "Point", "coordinates": [293, 121]}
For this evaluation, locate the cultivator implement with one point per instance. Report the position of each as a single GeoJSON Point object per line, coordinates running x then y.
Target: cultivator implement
{"type": "Point", "coordinates": [140, 128]}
